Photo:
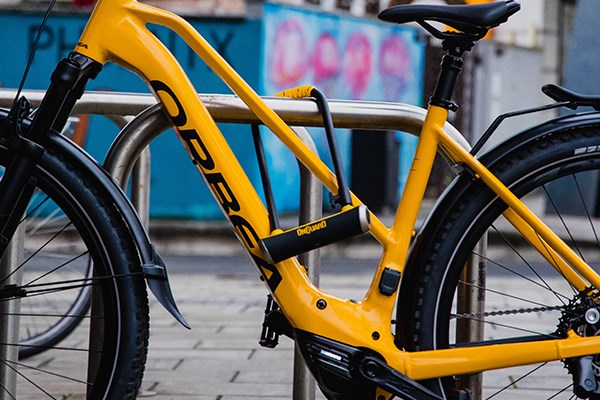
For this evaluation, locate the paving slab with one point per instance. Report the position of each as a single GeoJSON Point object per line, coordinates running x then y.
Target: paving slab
{"type": "Point", "coordinates": [220, 359]}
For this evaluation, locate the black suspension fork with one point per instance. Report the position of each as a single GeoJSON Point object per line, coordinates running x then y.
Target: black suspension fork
{"type": "Point", "coordinates": [27, 146]}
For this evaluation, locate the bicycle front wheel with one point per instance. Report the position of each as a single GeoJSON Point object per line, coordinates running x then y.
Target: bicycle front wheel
{"type": "Point", "coordinates": [45, 285]}
{"type": "Point", "coordinates": [482, 283]}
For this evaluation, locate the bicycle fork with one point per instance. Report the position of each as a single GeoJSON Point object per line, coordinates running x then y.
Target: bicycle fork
{"type": "Point", "coordinates": [25, 145]}
{"type": "Point", "coordinates": [16, 187]}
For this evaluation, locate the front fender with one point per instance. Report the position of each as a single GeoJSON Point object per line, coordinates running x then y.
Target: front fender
{"type": "Point", "coordinates": [153, 266]}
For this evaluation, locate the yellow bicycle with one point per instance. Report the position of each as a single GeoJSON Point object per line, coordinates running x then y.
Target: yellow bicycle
{"type": "Point", "coordinates": [541, 305]}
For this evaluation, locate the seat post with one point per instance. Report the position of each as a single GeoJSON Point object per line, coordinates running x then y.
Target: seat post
{"type": "Point", "coordinates": [451, 65]}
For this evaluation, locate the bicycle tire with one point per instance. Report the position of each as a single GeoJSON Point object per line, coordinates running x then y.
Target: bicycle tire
{"type": "Point", "coordinates": [89, 225]}
{"type": "Point", "coordinates": [523, 294]}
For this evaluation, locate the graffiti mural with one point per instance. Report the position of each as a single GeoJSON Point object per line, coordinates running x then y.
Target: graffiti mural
{"type": "Point", "coordinates": [345, 58]}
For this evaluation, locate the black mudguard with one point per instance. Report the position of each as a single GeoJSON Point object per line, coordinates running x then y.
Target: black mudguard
{"type": "Point", "coordinates": [154, 268]}
{"type": "Point", "coordinates": [459, 186]}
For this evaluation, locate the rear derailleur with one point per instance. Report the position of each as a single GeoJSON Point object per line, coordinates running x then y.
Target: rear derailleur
{"type": "Point", "coordinates": [583, 317]}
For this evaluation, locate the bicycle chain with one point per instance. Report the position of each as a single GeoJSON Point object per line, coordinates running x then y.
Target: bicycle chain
{"type": "Point", "coordinates": [509, 312]}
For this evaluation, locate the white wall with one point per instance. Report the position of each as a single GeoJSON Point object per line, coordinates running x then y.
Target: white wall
{"type": "Point", "coordinates": [526, 27]}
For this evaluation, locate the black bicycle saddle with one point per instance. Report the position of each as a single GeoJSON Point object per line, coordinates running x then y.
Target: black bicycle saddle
{"type": "Point", "coordinates": [469, 19]}
{"type": "Point", "coordinates": [560, 93]}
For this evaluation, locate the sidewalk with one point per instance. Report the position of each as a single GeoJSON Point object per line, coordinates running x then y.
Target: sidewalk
{"type": "Point", "coordinates": [220, 359]}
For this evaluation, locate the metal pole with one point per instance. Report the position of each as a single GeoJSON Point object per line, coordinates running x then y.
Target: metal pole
{"type": "Point", "coordinates": [304, 387]}
{"type": "Point", "coordinates": [471, 300]}
{"type": "Point", "coordinates": [9, 316]}
{"type": "Point", "coordinates": [136, 136]}
{"type": "Point", "coordinates": [131, 142]}
{"type": "Point", "coordinates": [140, 187]}
{"type": "Point", "coordinates": [229, 108]}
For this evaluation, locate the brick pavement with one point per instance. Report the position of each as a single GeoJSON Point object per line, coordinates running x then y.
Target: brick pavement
{"type": "Point", "coordinates": [220, 359]}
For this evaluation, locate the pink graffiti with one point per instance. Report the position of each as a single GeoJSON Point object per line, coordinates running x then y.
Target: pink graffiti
{"type": "Point", "coordinates": [394, 67]}
{"type": "Point", "coordinates": [288, 61]}
{"type": "Point", "coordinates": [326, 60]}
{"type": "Point", "coordinates": [357, 64]}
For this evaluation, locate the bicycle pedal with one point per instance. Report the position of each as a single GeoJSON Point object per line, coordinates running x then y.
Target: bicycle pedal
{"type": "Point", "coordinates": [274, 325]}
{"type": "Point", "coordinates": [351, 221]}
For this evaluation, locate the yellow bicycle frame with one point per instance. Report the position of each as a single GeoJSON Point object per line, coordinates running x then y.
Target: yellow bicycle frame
{"type": "Point", "coordinates": [117, 32]}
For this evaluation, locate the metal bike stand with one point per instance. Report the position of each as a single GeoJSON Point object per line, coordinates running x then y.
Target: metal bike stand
{"type": "Point", "coordinates": [9, 316]}
{"type": "Point", "coordinates": [229, 108]}
{"type": "Point", "coordinates": [471, 300]}
{"type": "Point", "coordinates": [131, 145]}
{"type": "Point", "coordinates": [150, 123]}
{"type": "Point", "coordinates": [137, 136]}
{"type": "Point", "coordinates": [311, 197]}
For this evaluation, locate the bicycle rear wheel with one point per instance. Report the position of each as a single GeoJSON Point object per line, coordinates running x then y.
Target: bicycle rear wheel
{"type": "Point", "coordinates": [67, 228]}
{"type": "Point", "coordinates": [516, 292]}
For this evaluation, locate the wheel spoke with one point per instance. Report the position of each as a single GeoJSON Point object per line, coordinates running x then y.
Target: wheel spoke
{"type": "Point", "coordinates": [527, 263]}
{"type": "Point", "coordinates": [57, 268]}
{"type": "Point", "coordinates": [587, 211]}
{"type": "Point", "coordinates": [560, 216]}
{"type": "Point", "coordinates": [501, 293]}
{"type": "Point", "coordinates": [17, 269]}
{"type": "Point", "coordinates": [561, 297]}
{"type": "Point", "coordinates": [27, 379]}
{"type": "Point", "coordinates": [512, 383]}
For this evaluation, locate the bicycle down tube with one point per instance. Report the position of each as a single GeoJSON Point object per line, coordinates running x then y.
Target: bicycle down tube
{"type": "Point", "coordinates": [365, 324]}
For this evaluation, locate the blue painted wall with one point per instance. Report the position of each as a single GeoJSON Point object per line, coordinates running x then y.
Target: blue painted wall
{"type": "Point", "coordinates": [247, 45]}
{"type": "Point", "coordinates": [236, 39]}
{"type": "Point", "coordinates": [583, 50]}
